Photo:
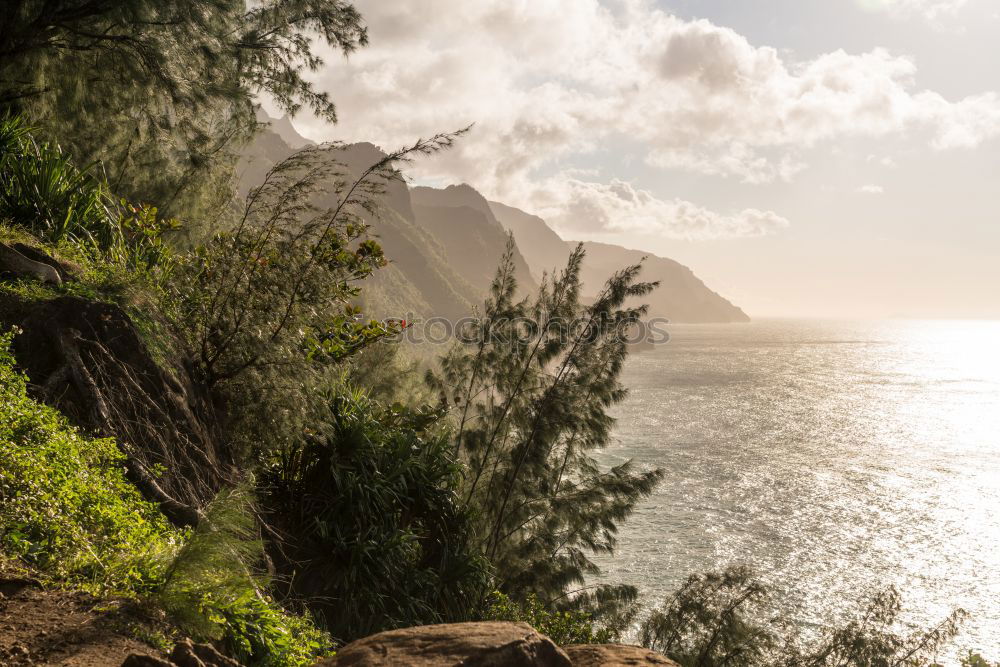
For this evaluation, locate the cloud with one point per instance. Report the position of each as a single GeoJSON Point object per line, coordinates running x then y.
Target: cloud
{"type": "Point", "coordinates": [578, 207]}
{"type": "Point", "coordinates": [871, 189]}
{"type": "Point", "coordinates": [929, 9]}
{"type": "Point", "coordinates": [548, 82]}
{"type": "Point", "coordinates": [885, 161]}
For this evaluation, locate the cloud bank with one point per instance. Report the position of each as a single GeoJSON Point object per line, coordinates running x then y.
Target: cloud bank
{"type": "Point", "coordinates": [548, 81]}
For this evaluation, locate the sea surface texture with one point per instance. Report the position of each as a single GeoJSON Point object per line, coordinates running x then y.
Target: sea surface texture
{"type": "Point", "coordinates": [835, 458]}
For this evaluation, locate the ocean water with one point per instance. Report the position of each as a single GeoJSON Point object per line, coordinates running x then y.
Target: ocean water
{"type": "Point", "coordinates": [835, 458]}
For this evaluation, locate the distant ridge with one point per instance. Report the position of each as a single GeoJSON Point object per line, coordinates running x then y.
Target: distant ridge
{"type": "Point", "coordinates": [474, 240]}
{"type": "Point", "coordinates": [681, 296]}
{"type": "Point", "coordinates": [444, 245]}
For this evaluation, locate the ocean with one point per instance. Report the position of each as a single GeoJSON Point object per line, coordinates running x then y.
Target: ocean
{"type": "Point", "coordinates": [834, 458]}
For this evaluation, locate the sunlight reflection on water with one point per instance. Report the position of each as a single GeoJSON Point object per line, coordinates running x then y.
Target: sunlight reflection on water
{"type": "Point", "coordinates": [832, 457]}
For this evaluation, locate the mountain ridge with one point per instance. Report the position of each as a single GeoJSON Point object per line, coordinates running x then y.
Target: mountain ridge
{"type": "Point", "coordinates": [444, 244]}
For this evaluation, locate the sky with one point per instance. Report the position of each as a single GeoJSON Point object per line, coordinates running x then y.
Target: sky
{"type": "Point", "coordinates": [806, 158]}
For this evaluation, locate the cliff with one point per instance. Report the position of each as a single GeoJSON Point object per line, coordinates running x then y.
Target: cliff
{"type": "Point", "coordinates": [444, 245]}
{"type": "Point", "coordinates": [681, 296]}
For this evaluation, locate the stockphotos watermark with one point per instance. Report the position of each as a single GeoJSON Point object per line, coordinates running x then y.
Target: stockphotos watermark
{"type": "Point", "coordinates": [472, 331]}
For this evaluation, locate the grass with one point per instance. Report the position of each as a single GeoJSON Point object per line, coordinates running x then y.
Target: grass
{"type": "Point", "coordinates": [69, 515]}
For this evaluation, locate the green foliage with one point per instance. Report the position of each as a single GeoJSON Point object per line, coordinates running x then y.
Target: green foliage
{"type": "Point", "coordinates": [972, 659]}
{"type": "Point", "coordinates": [562, 627]}
{"type": "Point", "coordinates": [162, 93]}
{"type": "Point", "coordinates": [65, 504]}
{"type": "Point", "coordinates": [714, 619]}
{"type": "Point", "coordinates": [374, 533]}
{"type": "Point", "coordinates": [530, 396]}
{"type": "Point", "coordinates": [44, 193]}
{"type": "Point", "coordinates": [212, 592]}
{"type": "Point", "coordinates": [265, 308]}
{"type": "Point", "coordinates": [721, 619]}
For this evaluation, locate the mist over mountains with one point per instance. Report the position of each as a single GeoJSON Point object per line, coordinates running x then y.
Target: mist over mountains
{"type": "Point", "coordinates": [444, 245]}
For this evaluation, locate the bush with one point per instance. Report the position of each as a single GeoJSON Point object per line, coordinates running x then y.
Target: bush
{"type": "Point", "coordinates": [43, 192]}
{"type": "Point", "coordinates": [65, 504]}
{"type": "Point", "coordinates": [374, 534]}
{"type": "Point", "coordinates": [211, 589]}
{"type": "Point", "coordinates": [720, 618]}
{"type": "Point", "coordinates": [562, 627]}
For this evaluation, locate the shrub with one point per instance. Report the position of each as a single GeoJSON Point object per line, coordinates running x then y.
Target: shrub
{"type": "Point", "coordinates": [212, 590]}
{"type": "Point", "coordinates": [562, 627]}
{"type": "Point", "coordinates": [720, 618]}
{"type": "Point", "coordinates": [43, 192]}
{"type": "Point", "coordinates": [65, 503]}
{"type": "Point", "coordinates": [374, 534]}
{"type": "Point", "coordinates": [714, 619]}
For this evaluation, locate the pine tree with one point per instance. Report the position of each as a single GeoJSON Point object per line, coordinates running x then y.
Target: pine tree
{"type": "Point", "coordinates": [161, 92]}
{"type": "Point", "coordinates": [530, 393]}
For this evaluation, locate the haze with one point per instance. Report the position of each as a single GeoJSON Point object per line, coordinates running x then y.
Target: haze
{"type": "Point", "coordinates": [822, 158]}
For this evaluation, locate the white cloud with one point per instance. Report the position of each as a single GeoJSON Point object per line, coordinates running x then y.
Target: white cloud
{"type": "Point", "coordinates": [583, 208]}
{"type": "Point", "coordinates": [546, 81]}
{"type": "Point", "coordinates": [871, 189]}
{"type": "Point", "coordinates": [929, 9]}
{"type": "Point", "coordinates": [885, 161]}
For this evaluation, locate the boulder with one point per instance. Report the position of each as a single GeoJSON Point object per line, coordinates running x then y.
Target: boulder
{"type": "Point", "coordinates": [614, 655]}
{"type": "Point", "coordinates": [468, 644]}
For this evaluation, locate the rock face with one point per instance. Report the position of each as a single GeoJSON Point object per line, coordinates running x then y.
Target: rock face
{"type": "Point", "coordinates": [466, 644]}
{"type": "Point", "coordinates": [473, 239]}
{"type": "Point", "coordinates": [615, 655]}
{"type": "Point", "coordinates": [681, 296]}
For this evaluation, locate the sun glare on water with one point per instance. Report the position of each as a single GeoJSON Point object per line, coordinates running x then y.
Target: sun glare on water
{"type": "Point", "coordinates": [834, 458]}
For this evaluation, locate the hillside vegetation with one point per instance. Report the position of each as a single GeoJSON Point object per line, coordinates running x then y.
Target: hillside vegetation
{"type": "Point", "coordinates": [199, 422]}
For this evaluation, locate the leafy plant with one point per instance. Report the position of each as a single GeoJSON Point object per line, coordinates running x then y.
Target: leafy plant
{"type": "Point", "coordinates": [562, 627]}
{"type": "Point", "coordinates": [43, 192]}
{"type": "Point", "coordinates": [65, 503]}
{"type": "Point", "coordinates": [211, 589]}
{"type": "Point", "coordinates": [372, 530]}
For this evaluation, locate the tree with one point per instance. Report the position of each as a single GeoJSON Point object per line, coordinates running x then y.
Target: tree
{"type": "Point", "coordinates": [264, 309]}
{"type": "Point", "coordinates": [161, 92]}
{"type": "Point", "coordinates": [724, 618]}
{"type": "Point", "coordinates": [529, 393]}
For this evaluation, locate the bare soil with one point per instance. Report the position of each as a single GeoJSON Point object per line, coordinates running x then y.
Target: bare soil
{"type": "Point", "coordinates": [57, 627]}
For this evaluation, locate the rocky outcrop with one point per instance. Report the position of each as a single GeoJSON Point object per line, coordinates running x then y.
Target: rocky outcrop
{"type": "Point", "coordinates": [466, 644]}
{"type": "Point", "coordinates": [615, 655]}
{"type": "Point", "coordinates": [485, 645]}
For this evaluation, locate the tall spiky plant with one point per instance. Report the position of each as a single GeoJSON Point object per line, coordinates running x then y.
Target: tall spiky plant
{"type": "Point", "coordinates": [530, 395]}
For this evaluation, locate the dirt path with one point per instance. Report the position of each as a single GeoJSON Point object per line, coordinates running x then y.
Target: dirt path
{"type": "Point", "coordinates": [54, 627]}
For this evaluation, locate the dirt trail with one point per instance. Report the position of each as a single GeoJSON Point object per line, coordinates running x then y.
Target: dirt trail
{"type": "Point", "coordinates": [54, 627]}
